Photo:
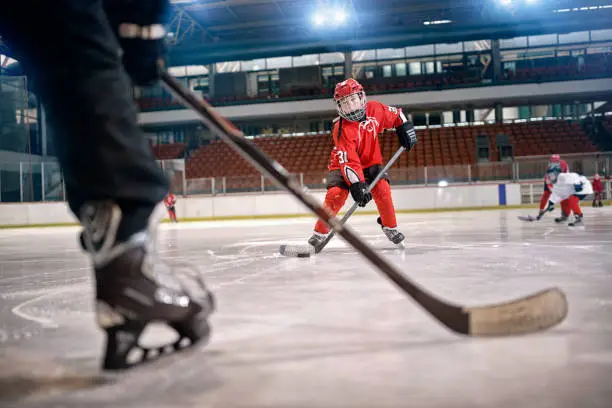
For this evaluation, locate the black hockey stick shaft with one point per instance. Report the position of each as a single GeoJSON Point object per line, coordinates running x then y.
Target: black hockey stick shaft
{"type": "Point", "coordinates": [281, 176]}
{"type": "Point", "coordinates": [350, 212]}
{"type": "Point", "coordinates": [515, 317]}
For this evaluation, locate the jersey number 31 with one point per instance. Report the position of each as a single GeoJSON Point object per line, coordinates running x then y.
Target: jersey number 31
{"type": "Point", "coordinates": [342, 156]}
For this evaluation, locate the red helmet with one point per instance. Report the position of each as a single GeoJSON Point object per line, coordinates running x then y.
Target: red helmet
{"type": "Point", "coordinates": [350, 100]}
{"type": "Point", "coordinates": [555, 158]}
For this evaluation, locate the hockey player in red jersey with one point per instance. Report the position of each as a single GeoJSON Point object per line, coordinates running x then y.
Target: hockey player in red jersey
{"type": "Point", "coordinates": [170, 203]}
{"type": "Point", "coordinates": [597, 191]}
{"type": "Point", "coordinates": [555, 167]}
{"type": "Point", "coordinates": [356, 158]}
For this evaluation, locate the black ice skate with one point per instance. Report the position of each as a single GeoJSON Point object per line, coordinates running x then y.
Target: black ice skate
{"type": "Point", "coordinates": [393, 234]}
{"type": "Point", "coordinates": [133, 289]}
{"type": "Point", "coordinates": [577, 222]}
{"type": "Point", "coordinates": [317, 239]}
{"type": "Point", "coordinates": [561, 219]}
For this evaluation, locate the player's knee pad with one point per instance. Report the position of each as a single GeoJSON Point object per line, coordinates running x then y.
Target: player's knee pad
{"type": "Point", "coordinates": [381, 191]}
{"type": "Point", "coordinates": [335, 198]}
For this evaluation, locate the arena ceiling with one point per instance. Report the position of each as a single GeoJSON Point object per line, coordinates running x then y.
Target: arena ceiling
{"type": "Point", "coordinates": [207, 31]}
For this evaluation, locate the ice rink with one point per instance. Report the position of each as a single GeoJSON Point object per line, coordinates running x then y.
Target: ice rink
{"type": "Point", "coordinates": [327, 331]}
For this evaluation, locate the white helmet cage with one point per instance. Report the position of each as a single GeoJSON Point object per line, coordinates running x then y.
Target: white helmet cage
{"type": "Point", "coordinates": [352, 107]}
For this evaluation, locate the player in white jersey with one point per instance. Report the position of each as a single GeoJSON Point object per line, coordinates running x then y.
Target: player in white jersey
{"type": "Point", "coordinates": [570, 188]}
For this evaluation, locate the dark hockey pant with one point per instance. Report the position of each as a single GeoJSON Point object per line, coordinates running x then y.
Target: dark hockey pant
{"type": "Point", "coordinates": [70, 54]}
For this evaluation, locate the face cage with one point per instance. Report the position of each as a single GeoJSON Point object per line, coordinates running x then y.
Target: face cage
{"type": "Point", "coordinates": [356, 115]}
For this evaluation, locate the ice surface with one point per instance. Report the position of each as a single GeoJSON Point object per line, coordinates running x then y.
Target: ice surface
{"type": "Point", "coordinates": [326, 331]}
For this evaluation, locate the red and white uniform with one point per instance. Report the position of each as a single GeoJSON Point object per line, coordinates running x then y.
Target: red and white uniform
{"type": "Point", "coordinates": [358, 147]}
{"type": "Point", "coordinates": [564, 191]}
{"type": "Point", "coordinates": [170, 200]}
{"type": "Point", "coordinates": [555, 167]}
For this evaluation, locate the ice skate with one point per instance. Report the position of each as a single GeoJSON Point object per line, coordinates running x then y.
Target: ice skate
{"type": "Point", "coordinates": [393, 234]}
{"type": "Point", "coordinates": [561, 219]}
{"type": "Point", "coordinates": [134, 288]}
{"type": "Point", "coordinates": [577, 222]}
{"type": "Point", "coordinates": [317, 239]}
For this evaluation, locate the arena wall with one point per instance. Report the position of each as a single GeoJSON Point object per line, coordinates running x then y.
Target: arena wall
{"type": "Point", "coordinates": [281, 204]}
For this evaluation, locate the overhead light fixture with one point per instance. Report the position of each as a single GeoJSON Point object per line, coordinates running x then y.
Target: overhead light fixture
{"type": "Point", "coordinates": [319, 19]}
{"type": "Point", "coordinates": [506, 2]}
{"type": "Point", "coordinates": [585, 8]}
{"type": "Point", "coordinates": [330, 18]}
{"type": "Point", "coordinates": [340, 16]}
{"type": "Point", "coordinates": [436, 22]}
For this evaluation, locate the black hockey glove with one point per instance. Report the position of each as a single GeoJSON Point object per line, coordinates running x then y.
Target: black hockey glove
{"type": "Point", "coordinates": [550, 207]}
{"type": "Point", "coordinates": [140, 28]}
{"type": "Point", "coordinates": [406, 135]}
{"type": "Point", "coordinates": [358, 192]}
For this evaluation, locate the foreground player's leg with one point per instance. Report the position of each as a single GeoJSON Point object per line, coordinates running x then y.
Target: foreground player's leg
{"type": "Point", "coordinates": [133, 287]}
{"type": "Point", "coordinates": [334, 200]}
{"type": "Point", "coordinates": [381, 193]}
{"type": "Point", "coordinates": [113, 183]}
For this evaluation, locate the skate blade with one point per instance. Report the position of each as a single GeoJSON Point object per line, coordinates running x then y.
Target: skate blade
{"type": "Point", "coordinates": [123, 350]}
{"type": "Point", "coordinates": [401, 246]}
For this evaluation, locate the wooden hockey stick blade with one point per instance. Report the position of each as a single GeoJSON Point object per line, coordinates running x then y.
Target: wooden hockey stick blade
{"type": "Point", "coordinates": [306, 251]}
{"type": "Point", "coordinates": [527, 218]}
{"type": "Point", "coordinates": [531, 314]}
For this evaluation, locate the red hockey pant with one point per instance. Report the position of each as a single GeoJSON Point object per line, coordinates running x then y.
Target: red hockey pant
{"type": "Point", "coordinates": [573, 204]}
{"type": "Point", "coordinates": [172, 213]}
{"type": "Point", "coordinates": [544, 199]}
{"type": "Point", "coordinates": [381, 193]}
{"type": "Point", "coordinates": [566, 207]}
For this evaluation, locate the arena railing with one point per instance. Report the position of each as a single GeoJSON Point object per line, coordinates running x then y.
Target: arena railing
{"type": "Point", "coordinates": [33, 182]}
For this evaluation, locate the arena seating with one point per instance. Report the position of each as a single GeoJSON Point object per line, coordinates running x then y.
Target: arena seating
{"type": "Point", "coordinates": [530, 70]}
{"type": "Point", "coordinates": [607, 124]}
{"type": "Point", "coordinates": [445, 151]}
{"type": "Point", "coordinates": [169, 151]}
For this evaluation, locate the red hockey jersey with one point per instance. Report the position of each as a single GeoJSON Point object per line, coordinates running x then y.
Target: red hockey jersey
{"type": "Point", "coordinates": [170, 200]}
{"type": "Point", "coordinates": [597, 186]}
{"type": "Point", "coordinates": [357, 147]}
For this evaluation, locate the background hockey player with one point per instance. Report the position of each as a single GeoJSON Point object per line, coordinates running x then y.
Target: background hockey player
{"type": "Point", "coordinates": [356, 158]}
{"type": "Point", "coordinates": [113, 183]}
{"type": "Point", "coordinates": [597, 191]}
{"type": "Point", "coordinates": [555, 167]}
{"type": "Point", "coordinates": [570, 189]}
{"type": "Point", "coordinates": [170, 203]}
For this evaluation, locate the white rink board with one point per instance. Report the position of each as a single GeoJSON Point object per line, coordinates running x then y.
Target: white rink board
{"type": "Point", "coordinates": [270, 204]}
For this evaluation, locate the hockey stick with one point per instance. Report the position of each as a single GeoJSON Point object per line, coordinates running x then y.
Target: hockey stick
{"type": "Point", "coordinates": [529, 314]}
{"type": "Point", "coordinates": [305, 251]}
